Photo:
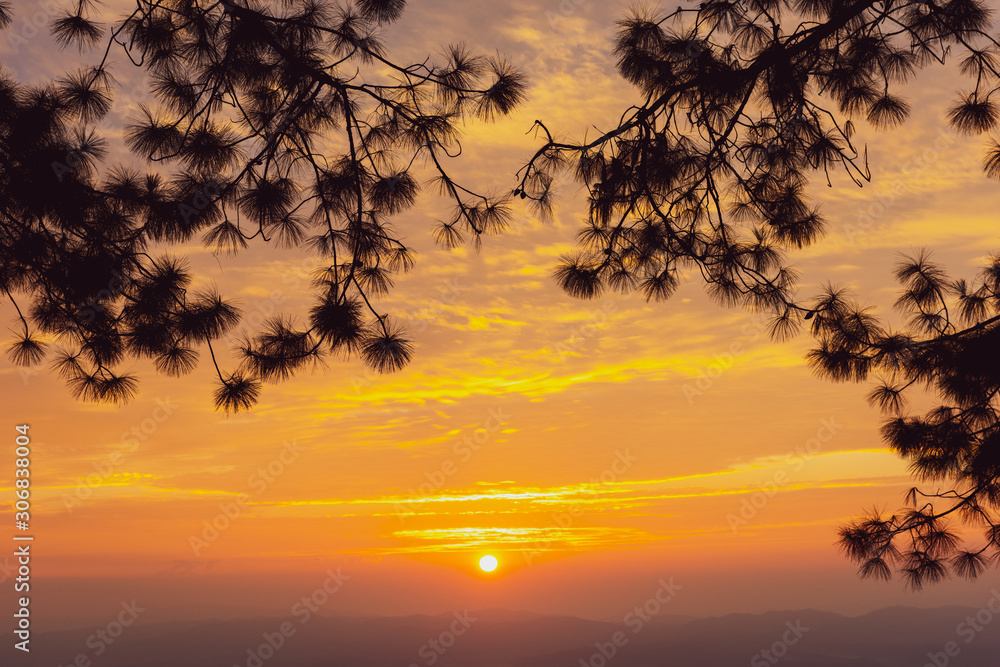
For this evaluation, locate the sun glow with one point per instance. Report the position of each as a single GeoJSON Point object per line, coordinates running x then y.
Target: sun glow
{"type": "Point", "coordinates": [488, 563]}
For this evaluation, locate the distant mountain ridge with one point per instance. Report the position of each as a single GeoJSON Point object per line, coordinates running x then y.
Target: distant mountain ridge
{"type": "Point", "coordinates": [891, 637]}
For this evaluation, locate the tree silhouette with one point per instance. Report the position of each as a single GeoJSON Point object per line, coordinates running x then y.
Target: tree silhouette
{"type": "Point", "coordinates": [738, 113]}
{"type": "Point", "coordinates": [743, 103]}
{"type": "Point", "coordinates": [271, 120]}
{"type": "Point", "coordinates": [949, 346]}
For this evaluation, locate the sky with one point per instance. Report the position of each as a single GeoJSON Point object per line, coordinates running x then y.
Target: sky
{"type": "Point", "coordinates": [594, 447]}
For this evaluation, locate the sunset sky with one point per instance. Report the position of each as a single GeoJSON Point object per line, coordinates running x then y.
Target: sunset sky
{"type": "Point", "coordinates": [594, 447]}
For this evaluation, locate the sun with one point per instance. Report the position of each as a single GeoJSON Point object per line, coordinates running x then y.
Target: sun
{"type": "Point", "coordinates": [488, 563]}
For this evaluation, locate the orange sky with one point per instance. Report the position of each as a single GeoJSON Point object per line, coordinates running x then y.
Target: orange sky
{"type": "Point", "coordinates": [583, 443]}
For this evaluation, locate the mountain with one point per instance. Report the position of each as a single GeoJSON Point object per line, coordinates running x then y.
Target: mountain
{"type": "Point", "coordinates": [892, 637]}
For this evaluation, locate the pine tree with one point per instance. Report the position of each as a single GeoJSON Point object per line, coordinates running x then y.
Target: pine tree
{"type": "Point", "coordinates": [743, 103]}
{"type": "Point", "coordinates": [270, 121]}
